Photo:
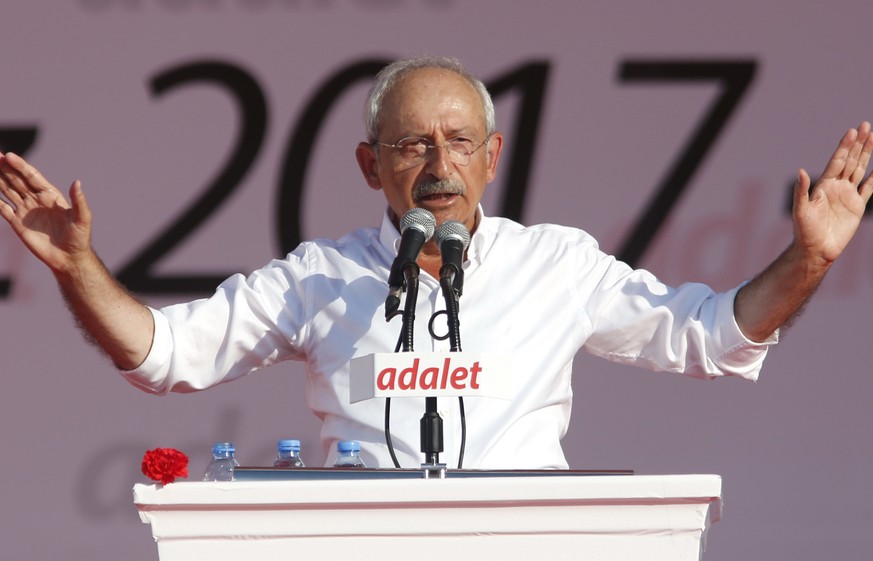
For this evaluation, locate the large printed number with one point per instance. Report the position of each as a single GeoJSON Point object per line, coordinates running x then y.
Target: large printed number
{"type": "Point", "coordinates": [735, 77]}
{"type": "Point", "coordinates": [528, 79]}
{"type": "Point", "coordinates": [138, 274]}
{"type": "Point", "coordinates": [293, 176]}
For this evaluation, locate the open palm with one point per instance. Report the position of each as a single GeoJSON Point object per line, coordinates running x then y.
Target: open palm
{"type": "Point", "coordinates": [826, 217]}
{"type": "Point", "coordinates": [52, 228]}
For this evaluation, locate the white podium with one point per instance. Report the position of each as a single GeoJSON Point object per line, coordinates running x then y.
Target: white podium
{"type": "Point", "coordinates": [509, 517]}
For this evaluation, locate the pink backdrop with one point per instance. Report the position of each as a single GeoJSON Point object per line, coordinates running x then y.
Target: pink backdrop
{"type": "Point", "coordinates": [794, 448]}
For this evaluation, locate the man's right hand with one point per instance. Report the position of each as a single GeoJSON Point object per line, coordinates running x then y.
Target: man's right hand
{"type": "Point", "coordinates": [57, 232]}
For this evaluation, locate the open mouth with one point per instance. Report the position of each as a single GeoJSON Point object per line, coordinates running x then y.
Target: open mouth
{"type": "Point", "coordinates": [438, 197]}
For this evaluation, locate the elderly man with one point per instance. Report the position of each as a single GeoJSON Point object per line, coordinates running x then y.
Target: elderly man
{"type": "Point", "coordinates": [541, 293]}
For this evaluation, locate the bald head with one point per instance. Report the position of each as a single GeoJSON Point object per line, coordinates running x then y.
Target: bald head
{"type": "Point", "coordinates": [395, 73]}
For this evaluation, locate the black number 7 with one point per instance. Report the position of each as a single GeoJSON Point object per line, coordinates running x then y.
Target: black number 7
{"type": "Point", "coordinates": [735, 77]}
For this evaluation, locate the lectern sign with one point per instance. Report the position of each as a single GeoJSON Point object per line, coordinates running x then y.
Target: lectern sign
{"type": "Point", "coordinates": [430, 375]}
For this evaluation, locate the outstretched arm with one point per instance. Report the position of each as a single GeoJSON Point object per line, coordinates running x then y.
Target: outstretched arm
{"type": "Point", "coordinates": [58, 233]}
{"type": "Point", "coordinates": [825, 219]}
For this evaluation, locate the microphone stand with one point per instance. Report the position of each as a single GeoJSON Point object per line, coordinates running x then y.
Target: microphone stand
{"type": "Point", "coordinates": [452, 239]}
{"type": "Point", "coordinates": [451, 296]}
{"type": "Point", "coordinates": [407, 334]}
{"type": "Point", "coordinates": [432, 423]}
{"type": "Point", "coordinates": [407, 331]}
{"type": "Point", "coordinates": [431, 427]}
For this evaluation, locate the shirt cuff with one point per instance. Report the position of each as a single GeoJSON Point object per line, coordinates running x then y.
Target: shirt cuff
{"type": "Point", "coordinates": [742, 356]}
{"type": "Point", "coordinates": [151, 375]}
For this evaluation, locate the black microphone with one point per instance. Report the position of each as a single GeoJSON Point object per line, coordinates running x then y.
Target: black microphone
{"type": "Point", "coordinates": [453, 238]}
{"type": "Point", "coordinates": [416, 228]}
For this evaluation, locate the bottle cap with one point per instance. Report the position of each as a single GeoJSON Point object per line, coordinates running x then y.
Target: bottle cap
{"type": "Point", "coordinates": [288, 445]}
{"type": "Point", "coordinates": [348, 446]}
{"type": "Point", "coordinates": [223, 448]}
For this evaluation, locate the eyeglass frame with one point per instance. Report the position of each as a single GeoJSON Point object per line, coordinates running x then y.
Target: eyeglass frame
{"type": "Point", "coordinates": [430, 146]}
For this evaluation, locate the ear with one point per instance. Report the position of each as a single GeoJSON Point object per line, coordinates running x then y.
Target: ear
{"type": "Point", "coordinates": [495, 147]}
{"type": "Point", "coordinates": [368, 161]}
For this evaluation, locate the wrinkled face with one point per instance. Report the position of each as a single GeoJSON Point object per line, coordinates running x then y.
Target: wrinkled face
{"type": "Point", "coordinates": [441, 107]}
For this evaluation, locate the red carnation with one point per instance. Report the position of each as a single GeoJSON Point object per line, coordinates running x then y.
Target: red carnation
{"type": "Point", "coordinates": [164, 464]}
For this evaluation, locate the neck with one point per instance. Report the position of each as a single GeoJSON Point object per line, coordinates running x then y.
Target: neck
{"type": "Point", "coordinates": [430, 259]}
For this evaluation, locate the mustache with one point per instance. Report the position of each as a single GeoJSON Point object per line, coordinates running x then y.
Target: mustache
{"type": "Point", "coordinates": [438, 187]}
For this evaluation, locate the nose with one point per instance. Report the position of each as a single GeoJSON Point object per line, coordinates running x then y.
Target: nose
{"type": "Point", "coordinates": [439, 163]}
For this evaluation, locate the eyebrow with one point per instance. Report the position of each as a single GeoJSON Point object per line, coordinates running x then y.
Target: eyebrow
{"type": "Point", "coordinates": [463, 131]}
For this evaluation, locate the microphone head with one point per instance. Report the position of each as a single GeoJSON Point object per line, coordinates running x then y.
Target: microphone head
{"type": "Point", "coordinates": [419, 219]}
{"type": "Point", "coordinates": [452, 230]}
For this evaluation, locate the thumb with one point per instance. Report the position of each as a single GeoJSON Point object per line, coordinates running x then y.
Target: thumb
{"type": "Point", "coordinates": [81, 210]}
{"type": "Point", "coordinates": [801, 189]}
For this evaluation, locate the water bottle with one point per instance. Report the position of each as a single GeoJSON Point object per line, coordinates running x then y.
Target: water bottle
{"type": "Point", "coordinates": [223, 463]}
{"type": "Point", "coordinates": [348, 454]}
{"type": "Point", "coordinates": [288, 454]}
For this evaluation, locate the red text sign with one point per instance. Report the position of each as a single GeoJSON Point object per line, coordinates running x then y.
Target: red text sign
{"type": "Point", "coordinates": [430, 375]}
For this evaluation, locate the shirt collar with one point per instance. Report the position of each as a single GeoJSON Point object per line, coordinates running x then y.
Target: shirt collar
{"type": "Point", "coordinates": [389, 236]}
{"type": "Point", "coordinates": [481, 239]}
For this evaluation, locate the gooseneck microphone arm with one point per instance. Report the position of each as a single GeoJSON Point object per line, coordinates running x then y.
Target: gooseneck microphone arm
{"type": "Point", "coordinates": [452, 239]}
{"type": "Point", "coordinates": [416, 228]}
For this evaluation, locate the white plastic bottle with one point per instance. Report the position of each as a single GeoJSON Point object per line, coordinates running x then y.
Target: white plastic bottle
{"type": "Point", "coordinates": [348, 454]}
{"type": "Point", "coordinates": [223, 463]}
{"type": "Point", "coordinates": [288, 454]}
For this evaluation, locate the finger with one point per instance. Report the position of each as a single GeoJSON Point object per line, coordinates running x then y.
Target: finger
{"type": "Point", "coordinates": [81, 210]}
{"type": "Point", "coordinates": [837, 163]}
{"type": "Point", "coordinates": [864, 158]}
{"type": "Point", "coordinates": [12, 178]}
{"type": "Point", "coordinates": [31, 177]}
{"type": "Point", "coordinates": [801, 191]}
{"type": "Point", "coordinates": [866, 189]}
{"type": "Point", "coordinates": [7, 187]}
{"type": "Point", "coordinates": [7, 212]}
{"type": "Point", "coordinates": [854, 153]}
{"type": "Point", "coordinates": [8, 191]}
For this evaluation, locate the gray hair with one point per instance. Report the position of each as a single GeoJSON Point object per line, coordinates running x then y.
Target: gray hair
{"type": "Point", "coordinates": [388, 77]}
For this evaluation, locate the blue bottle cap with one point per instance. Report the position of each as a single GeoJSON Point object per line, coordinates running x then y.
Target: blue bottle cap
{"type": "Point", "coordinates": [223, 448]}
{"type": "Point", "coordinates": [348, 446]}
{"type": "Point", "coordinates": [288, 445]}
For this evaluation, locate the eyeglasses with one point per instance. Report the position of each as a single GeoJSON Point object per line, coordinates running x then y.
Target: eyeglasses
{"type": "Point", "coordinates": [414, 150]}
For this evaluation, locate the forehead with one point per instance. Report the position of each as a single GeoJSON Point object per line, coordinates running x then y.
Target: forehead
{"type": "Point", "coordinates": [432, 97]}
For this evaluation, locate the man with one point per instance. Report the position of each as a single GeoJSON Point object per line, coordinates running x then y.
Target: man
{"type": "Point", "coordinates": [537, 294]}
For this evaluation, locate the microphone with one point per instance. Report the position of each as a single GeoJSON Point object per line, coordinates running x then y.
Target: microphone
{"type": "Point", "coordinates": [452, 238]}
{"type": "Point", "coordinates": [416, 228]}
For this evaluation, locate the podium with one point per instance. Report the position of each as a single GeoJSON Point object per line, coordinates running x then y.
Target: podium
{"type": "Point", "coordinates": [378, 515]}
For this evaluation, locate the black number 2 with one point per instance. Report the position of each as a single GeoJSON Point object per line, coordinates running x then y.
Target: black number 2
{"type": "Point", "coordinates": [137, 274]}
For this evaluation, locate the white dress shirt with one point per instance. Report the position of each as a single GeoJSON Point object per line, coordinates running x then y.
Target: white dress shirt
{"type": "Point", "coordinates": [537, 294]}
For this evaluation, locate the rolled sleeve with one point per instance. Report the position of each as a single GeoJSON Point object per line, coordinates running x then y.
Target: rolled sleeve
{"type": "Point", "coordinates": [740, 355]}
{"type": "Point", "coordinates": [152, 375]}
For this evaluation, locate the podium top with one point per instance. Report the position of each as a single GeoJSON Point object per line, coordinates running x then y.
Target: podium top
{"type": "Point", "coordinates": [300, 474]}
{"type": "Point", "coordinates": [579, 487]}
